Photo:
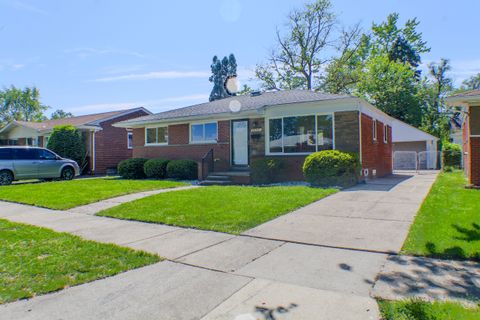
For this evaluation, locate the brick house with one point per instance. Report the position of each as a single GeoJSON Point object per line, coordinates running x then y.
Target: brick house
{"type": "Point", "coordinates": [225, 136]}
{"type": "Point", "coordinates": [470, 101]}
{"type": "Point", "coordinates": [106, 145]}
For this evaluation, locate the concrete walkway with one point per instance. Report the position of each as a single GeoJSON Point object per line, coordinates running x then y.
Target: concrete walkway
{"type": "Point", "coordinates": [371, 217]}
{"type": "Point", "coordinates": [93, 208]}
{"type": "Point", "coordinates": [258, 275]}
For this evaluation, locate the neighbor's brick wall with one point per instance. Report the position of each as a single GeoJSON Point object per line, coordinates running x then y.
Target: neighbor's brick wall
{"type": "Point", "coordinates": [475, 160]}
{"type": "Point", "coordinates": [179, 148]}
{"type": "Point", "coordinates": [376, 154]}
{"type": "Point", "coordinates": [111, 143]}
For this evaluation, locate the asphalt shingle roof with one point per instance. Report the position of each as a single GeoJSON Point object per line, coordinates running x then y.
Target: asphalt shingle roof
{"type": "Point", "coordinates": [89, 119]}
{"type": "Point", "coordinates": [245, 102]}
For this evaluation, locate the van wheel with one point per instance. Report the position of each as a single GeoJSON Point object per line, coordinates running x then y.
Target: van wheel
{"type": "Point", "coordinates": [6, 178]}
{"type": "Point", "coordinates": [67, 174]}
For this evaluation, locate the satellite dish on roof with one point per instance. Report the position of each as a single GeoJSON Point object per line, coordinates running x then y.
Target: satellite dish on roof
{"type": "Point", "coordinates": [232, 85]}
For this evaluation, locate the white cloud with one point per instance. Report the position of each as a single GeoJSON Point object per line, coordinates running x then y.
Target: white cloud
{"type": "Point", "coordinates": [156, 105]}
{"type": "Point", "coordinates": [85, 52]}
{"type": "Point", "coordinates": [156, 75]}
{"type": "Point", "coordinates": [461, 69]}
{"type": "Point", "coordinates": [27, 7]}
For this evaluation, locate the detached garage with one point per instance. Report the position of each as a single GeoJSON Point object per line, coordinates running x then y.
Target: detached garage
{"type": "Point", "coordinates": [413, 149]}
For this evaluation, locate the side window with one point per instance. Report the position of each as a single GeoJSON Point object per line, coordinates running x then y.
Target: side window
{"type": "Point", "coordinates": [46, 155]}
{"type": "Point", "coordinates": [6, 154]}
{"type": "Point", "coordinates": [385, 133]}
{"type": "Point", "coordinates": [374, 130]}
{"type": "Point", "coordinates": [130, 140]}
{"type": "Point", "coordinates": [26, 154]}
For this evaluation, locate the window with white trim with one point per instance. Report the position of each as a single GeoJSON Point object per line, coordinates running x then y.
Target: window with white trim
{"type": "Point", "coordinates": [130, 140]}
{"type": "Point", "coordinates": [156, 136]}
{"type": "Point", "coordinates": [300, 134]}
{"type": "Point", "coordinates": [203, 132]}
{"type": "Point", "coordinates": [374, 130]}
{"type": "Point", "coordinates": [385, 133]}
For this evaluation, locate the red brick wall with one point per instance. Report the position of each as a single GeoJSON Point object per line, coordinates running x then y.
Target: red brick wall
{"type": "Point", "coordinates": [179, 147]}
{"type": "Point", "coordinates": [111, 143]}
{"type": "Point", "coordinates": [475, 161]}
{"type": "Point", "coordinates": [376, 155]}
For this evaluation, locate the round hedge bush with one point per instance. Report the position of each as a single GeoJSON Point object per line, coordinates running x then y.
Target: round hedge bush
{"type": "Point", "coordinates": [265, 170]}
{"type": "Point", "coordinates": [331, 168]}
{"type": "Point", "coordinates": [132, 168]}
{"type": "Point", "coordinates": [156, 168]}
{"type": "Point", "coordinates": [451, 155]}
{"type": "Point", "coordinates": [182, 170]}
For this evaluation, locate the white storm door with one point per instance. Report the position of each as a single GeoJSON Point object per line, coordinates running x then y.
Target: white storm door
{"type": "Point", "coordinates": [240, 142]}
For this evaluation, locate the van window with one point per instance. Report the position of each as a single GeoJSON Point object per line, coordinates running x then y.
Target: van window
{"type": "Point", "coordinates": [26, 154]}
{"type": "Point", "coordinates": [46, 155]}
{"type": "Point", "coordinates": [6, 154]}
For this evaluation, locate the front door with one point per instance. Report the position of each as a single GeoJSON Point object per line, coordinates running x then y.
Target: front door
{"type": "Point", "coordinates": [240, 142]}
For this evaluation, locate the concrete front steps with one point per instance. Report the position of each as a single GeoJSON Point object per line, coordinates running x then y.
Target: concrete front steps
{"type": "Point", "coordinates": [233, 177]}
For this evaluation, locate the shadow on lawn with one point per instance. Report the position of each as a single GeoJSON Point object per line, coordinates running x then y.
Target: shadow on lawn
{"type": "Point", "coordinates": [469, 235]}
{"type": "Point", "coordinates": [452, 253]}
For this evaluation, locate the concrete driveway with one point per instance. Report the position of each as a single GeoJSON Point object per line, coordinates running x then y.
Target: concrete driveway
{"type": "Point", "coordinates": [319, 262]}
{"type": "Point", "coordinates": [371, 217]}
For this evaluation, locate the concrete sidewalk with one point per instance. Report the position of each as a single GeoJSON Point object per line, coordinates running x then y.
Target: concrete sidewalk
{"type": "Point", "coordinates": [290, 273]}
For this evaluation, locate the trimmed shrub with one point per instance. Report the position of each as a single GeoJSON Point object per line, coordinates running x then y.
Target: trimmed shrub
{"type": "Point", "coordinates": [182, 169]}
{"type": "Point", "coordinates": [265, 170]}
{"type": "Point", "coordinates": [67, 142]}
{"type": "Point", "coordinates": [132, 168]}
{"type": "Point", "coordinates": [332, 168]}
{"type": "Point", "coordinates": [156, 168]}
{"type": "Point", "coordinates": [451, 155]}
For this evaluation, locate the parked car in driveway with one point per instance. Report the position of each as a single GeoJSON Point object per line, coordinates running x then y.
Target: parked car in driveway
{"type": "Point", "coordinates": [22, 163]}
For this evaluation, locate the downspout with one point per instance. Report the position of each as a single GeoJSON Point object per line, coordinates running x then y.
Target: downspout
{"type": "Point", "coordinates": [360, 132]}
{"type": "Point", "coordinates": [93, 152]}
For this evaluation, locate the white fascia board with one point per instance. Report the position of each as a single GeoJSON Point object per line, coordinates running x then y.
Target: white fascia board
{"type": "Point", "coordinates": [375, 113]}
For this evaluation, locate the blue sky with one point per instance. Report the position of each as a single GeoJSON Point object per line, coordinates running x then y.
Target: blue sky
{"type": "Point", "coordinates": [98, 55]}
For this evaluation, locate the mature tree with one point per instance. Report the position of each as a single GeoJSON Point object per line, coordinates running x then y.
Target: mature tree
{"type": "Point", "coordinates": [221, 70]}
{"type": "Point", "coordinates": [60, 114]}
{"type": "Point", "coordinates": [304, 49]}
{"type": "Point", "coordinates": [67, 142]}
{"type": "Point", "coordinates": [435, 118]}
{"type": "Point", "coordinates": [392, 87]}
{"type": "Point", "coordinates": [21, 104]}
{"type": "Point", "coordinates": [472, 83]}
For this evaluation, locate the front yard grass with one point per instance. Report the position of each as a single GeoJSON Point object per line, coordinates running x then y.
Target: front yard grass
{"type": "Point", "coordinates": [63, 195]}
{"type": "Point", "coordinates": [421, 310]}
{"type": "Point", "coordinates": [231, 209]}
{"type": "Point", "coordinates": [448, 223]}
{"type": "Point", "coordinates": [35, 260]}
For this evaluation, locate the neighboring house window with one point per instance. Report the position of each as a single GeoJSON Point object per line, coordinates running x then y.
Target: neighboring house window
{"type": "Point", "coordinates": [301, 134]}
{"type": "Point", "coordinates": [203, 132]}
{"type": "Point", "coordinates": [45, 141]}
{"type": "Point", "coordinates": [158, 135]}
{"type": "Point", "coordinates": [385, 133]}
{"type": "Point", "coordinates": [374, 129]}
{"type": "Point", "coordinates": [130, 140]}
{"type": "Point", "coordinates": [31, 142]}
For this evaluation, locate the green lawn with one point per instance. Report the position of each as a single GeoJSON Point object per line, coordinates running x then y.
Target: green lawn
{"type": "Point", "coordinates": [68, 194]}
{"type": "Point", "coordinates": [419, 310]}
{"type": "Point", "coordinates": [35, 260]}
{"type": "Point", "coordinates": [448, 223]}
{"type": "Point", "coordinates": [231, 209]}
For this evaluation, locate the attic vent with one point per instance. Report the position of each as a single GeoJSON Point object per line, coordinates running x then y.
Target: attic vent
{"type": "Point", "coordinates": [255, 93]}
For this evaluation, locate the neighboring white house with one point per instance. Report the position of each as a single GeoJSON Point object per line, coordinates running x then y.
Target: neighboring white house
{"type": "Point", "coordinates": [413, 148]}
